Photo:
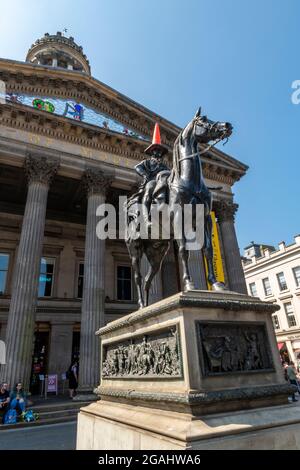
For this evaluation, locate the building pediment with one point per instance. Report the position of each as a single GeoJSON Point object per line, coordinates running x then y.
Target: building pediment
{"type": "Point", "coordinates": [29, 79]}
{"type": "Point", "coordinates": [130, 124]}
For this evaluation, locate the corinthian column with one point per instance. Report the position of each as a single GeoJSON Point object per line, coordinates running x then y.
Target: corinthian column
{"type": "Point", "coordinates": [226, 214]}
{"type": "Point", "coordinates": [21, 318]}
{"type": "Point", "coordinates": [92, 313]}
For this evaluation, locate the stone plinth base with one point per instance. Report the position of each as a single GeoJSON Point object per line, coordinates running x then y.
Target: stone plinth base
{"type": "Point", "coordinates": [112, 426]}
{"type": "Point", "coordinates": [177, 374]}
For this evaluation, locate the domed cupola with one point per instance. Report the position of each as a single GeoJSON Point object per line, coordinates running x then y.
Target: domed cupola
{"type": "Point", "coordinates": [58, 51]}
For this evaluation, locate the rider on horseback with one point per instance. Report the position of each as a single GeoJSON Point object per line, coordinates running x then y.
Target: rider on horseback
{"type": "Point", "coordinates": [149, 169]}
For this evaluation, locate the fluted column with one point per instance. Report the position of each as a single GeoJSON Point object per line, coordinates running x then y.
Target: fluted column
{"type": "Point", "coordinates": [226, 214]}
{"type": "Point", "coordinates": [197, 269]}
{"type": "Point", "coordinates": [92, 313]}
{"type": "Point", "coordinates": [21, 318]}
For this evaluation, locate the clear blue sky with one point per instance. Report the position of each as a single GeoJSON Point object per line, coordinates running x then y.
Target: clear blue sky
{"type": "Point", "coordinates": [235, 58]}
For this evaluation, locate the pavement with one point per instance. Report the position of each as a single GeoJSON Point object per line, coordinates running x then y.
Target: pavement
{"type": "Point", "coordinates": [47, 437]}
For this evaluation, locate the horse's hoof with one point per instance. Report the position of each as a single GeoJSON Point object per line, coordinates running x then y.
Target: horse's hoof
{"type": "Point", "coordinates": [218, 286]}
{"type": "Point", "coordinates": [189, 285]}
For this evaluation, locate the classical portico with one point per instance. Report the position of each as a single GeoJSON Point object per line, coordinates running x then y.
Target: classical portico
{"type": "Point", "coordinates": [78, 141]}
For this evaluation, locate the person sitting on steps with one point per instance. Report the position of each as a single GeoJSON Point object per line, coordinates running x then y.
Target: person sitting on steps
{"type": "Point", "coordinates": [18, 399]}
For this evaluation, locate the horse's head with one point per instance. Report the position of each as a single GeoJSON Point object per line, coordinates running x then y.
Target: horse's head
{"type": "Point", "coordinates": [204, 130]}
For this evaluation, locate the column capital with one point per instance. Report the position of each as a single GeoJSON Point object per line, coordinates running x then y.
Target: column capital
{"type": "Point", "coordinates": [96, 182]}
{"type": "Point", "coordinates": [40, 169]}
{"type": "Point", "coordinates": [225, 210]}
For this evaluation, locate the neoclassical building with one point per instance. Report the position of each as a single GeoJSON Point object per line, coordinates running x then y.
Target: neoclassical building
{"type": "Point", "coordinates": [68, 143]}
{"type": "Point", "coordinates": [274, 275]}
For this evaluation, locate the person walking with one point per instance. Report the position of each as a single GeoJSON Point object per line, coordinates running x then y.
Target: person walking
{"type": "Point", "coordinates": [73, 378]}
{"type": "Point", "coordinates": [292, 377]}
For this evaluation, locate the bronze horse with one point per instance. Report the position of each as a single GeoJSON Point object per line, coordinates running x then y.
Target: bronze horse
{"type": "Point", "coordinates": [185, 185]}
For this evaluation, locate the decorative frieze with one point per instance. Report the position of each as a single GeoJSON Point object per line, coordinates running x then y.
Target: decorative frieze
{"type": "Point", "coordinates": [92, 138]}
{"type": "Point", "coordinates": [82, 92]}
{"type": "Point", "coordinates": [152, 356]}
{"type": "Point", "coordinates": [55, 127]}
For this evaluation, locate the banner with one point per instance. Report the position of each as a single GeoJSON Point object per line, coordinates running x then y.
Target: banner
{"type": "Point", "coordinates": [217, 258]}
{"type": "Point", "coordinates": [52, 383]}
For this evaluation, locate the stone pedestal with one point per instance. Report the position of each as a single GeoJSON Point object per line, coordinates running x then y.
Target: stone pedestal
{"type": "Point", "coordinates": [197, 370]}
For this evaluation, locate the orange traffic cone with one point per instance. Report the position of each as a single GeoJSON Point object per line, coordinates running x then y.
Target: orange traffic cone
{"type": "Point", "coordinates": [156, 142]}
{"type": "Point", "coordinates": [156, 135]}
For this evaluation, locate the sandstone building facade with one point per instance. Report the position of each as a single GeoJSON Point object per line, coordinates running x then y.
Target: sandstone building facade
{"type": "Point", "coordinates": [274, 275]}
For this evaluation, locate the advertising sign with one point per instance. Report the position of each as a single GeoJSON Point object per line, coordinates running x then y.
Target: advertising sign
{"type": "Point", "coordinates": [52, 383]}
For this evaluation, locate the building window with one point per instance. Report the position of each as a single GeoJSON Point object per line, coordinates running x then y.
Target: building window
{"type": "Point", "coordinates": [62, 64]}
{"type": "Point", "coordinates": [4, 260]}
{"type": "Point", "coordinates": [267, 286]}
{"type": "Point", "coordinates": [124, 285]}
{"type": "Point", "coordinates": [276, 322]}
{"type": "Point", "coordinates": [253, 289]}
{"type": "Point", "coordinates": [290, 314]}
{"type": "Point", "coordinates": [46, 277]}
{"type": "Point", "coordinates": [296, 272]}
{"type": "Point", "coordinates": [80, 280]}
{"type": "Point", "coordinates": [281, 281]}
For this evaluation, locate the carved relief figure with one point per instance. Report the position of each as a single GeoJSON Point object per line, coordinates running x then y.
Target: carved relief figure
{"type": "Point", "coordinates": [244, 349]}
{"type": "Point", "coordinates": [153, 355]}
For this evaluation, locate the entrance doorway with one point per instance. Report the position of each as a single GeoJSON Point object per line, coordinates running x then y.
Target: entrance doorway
{"type": "Point", "coordinates": [39, 360]}
{"type": "Point", "coordinates": [76, 345]}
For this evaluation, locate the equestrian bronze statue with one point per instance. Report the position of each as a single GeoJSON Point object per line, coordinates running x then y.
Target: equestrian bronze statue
{"type": "Point", "coordinates": [183, 185]}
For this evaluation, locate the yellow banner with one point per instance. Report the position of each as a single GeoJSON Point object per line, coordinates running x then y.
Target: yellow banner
{"type": "Point", "coordinates": [217, 259]}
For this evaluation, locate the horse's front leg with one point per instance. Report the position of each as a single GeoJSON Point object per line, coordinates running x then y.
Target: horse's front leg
{"type": "Point", "coordinates": [136, 265]}
{"type": "Point", "coordinates": [183, 252]}
{"type": "Point", "coordinates": [184, 256]}
{"type": "Point", "coordinates": [154, 254]}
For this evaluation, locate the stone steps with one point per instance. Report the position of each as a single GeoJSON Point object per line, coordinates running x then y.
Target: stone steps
{"type": "Point", "coordinates": [50, 414]}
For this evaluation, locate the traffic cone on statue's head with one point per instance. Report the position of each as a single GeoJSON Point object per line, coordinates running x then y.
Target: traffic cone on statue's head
{"type": "Point", "coordinates": [156, 143]}
{"type": "Point", "coordinates": [156, 135]}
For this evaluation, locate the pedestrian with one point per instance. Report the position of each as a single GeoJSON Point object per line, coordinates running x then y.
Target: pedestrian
{"type": "Point", "coordinates": [292, 377]}
{"type": "Point", "coordinates": [4, 400]}
{"type": "Point", "coordinates": [18, 399]}
{"type": "Point", "coordinates": [73, 377]}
